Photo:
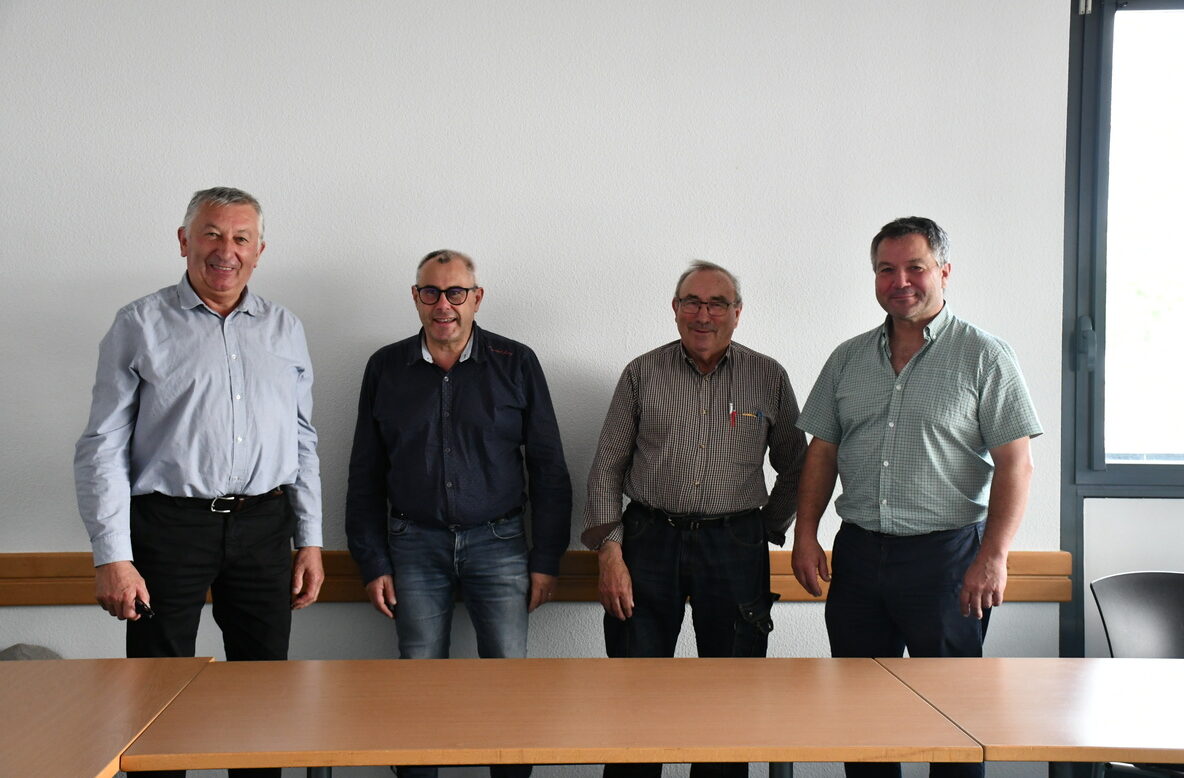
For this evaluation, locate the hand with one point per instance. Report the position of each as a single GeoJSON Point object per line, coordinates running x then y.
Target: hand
{"type": "Point", "coordinates": [117, 587]}
{"type": "Point", "coordinates": [983, 584]}
{"type": "Point", "coordinates": [382, 595]}
{"type": "Point", "coordinates": [809, 564]}
{"type": "Point", "coordinates": [542, 589]}
{"type": "Point", "coordinates": [616, 585]}
{"type": "Point", "coordinates": [307, 576]}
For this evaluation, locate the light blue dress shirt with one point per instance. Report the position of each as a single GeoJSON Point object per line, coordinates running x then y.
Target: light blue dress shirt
{"type": "Point", "coordinates": [191, 404]}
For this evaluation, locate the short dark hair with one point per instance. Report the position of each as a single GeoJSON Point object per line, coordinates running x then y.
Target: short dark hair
{"type": "Point", "coordinates": [935, 236]}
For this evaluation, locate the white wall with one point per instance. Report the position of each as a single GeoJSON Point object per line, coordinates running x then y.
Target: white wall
{"type": "Point", "coordinates": [581, 152]}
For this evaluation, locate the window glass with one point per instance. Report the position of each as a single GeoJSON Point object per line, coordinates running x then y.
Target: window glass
{"type": "Point", "coordinates": [1144, 370]}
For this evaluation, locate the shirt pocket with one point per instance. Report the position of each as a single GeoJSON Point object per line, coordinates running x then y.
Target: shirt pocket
{"type": "Point", "coordinates": [948, 411]}
{"type": "Point", "coordinates": [747, 433]}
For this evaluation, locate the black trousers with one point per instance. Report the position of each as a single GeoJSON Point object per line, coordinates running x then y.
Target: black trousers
{"type": "Point", "coordinates": [890, 593]}
{"type": "Point", "coordinates": [243, 559]}
{"type": "Point", "coordinates": [723, 569]}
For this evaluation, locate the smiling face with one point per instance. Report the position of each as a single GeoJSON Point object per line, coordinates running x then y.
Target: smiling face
{"type": "Point", "coordinates": [447, 326]}
{"type": "Point", "coordinates": [221, 248]}
{"type": "Point", "coordinates": [909, 283]}
{"type": "Point", "coordinates": [705, 337]}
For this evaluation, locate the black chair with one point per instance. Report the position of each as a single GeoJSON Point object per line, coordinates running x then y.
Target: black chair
{"type": "Point", "coordinates": [1143, 616]}
{"type": "Point", "coordinates": [1142, 613]}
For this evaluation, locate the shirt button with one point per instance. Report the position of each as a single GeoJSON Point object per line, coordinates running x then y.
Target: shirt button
{"type": "Point", "coordinates": [696, 483]}
{"type": "Point", "coordinates": [447, 451]}
{"type": "Point", "coordinates": [885, 463]}
{"type": "Point", "coordinates": [891, 424]}
{"type": "Point", "coordinates": [446, 414]}
{"type": "Point", "coordinates": [898, 387]}
{"type": "Point", "coordinates": [239, 439]}
{"type": "Point", "coordinates": [883, 502]}
{"type": "Point", "coordinates": [234, 356]}
{"type": "Point", "coordinates": [702, 445]}
{"type": "Point", "coordinates": [702, 411]}
{"type": "Point", "coordinates": [448, 484]}
{"type": "Point", "coordinates": [238, 397]}
{"type": "Point", "coordinates": [445, 379]}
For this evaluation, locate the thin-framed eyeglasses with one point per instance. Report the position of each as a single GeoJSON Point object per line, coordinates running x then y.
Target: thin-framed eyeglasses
{"type": "Point", "coordinates": [692, 305]}
{"type": "Point", "coordinates": [430, 295]}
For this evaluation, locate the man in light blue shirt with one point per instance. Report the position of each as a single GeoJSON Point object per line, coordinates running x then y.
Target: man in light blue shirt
{"type": "Point", "coordinates": [927, 420]}
{"type": "Point", "coordinates": [198, 465]}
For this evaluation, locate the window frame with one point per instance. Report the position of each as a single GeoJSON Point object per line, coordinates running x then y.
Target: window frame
{"type": "Point", "coordinates": [1086, 310]}
{"type": "Point", "coordinates": [1084, 471]}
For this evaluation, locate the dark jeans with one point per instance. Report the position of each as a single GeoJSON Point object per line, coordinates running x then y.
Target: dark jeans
{"type": "Point", "coordinates": [723, 569]}
{"type": "Point", "coordinates": [488, 563]}
{"type": "Point", "coordinates": [243, 559]}
{"type": "Point", "coordinates": [889, 593]}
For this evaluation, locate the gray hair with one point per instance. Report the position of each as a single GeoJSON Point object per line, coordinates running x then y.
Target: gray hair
{"type": "Point", "coordinates": [221, 196]}
{"type": "Point", "coordinates": [444, 256]}
{"type": "Point", "coordinates": [939, 242]}
{"type": "Point", "coordinates": [702, 264]}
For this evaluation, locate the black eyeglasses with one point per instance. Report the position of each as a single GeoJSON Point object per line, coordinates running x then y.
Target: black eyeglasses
{"type": "Point", "coordinates": [692, 305]}
{"type": "Point", "coordinates": [430, 295]}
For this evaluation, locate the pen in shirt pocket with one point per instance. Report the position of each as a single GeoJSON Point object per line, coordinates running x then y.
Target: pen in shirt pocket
{"type": "Point", "coordinates": [734, 414]}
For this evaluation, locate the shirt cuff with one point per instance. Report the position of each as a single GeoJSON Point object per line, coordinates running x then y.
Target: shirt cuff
{"type": "Point", "coordinates": [308, 533]}
{"type": "Point", "coordinates": [111, 548]}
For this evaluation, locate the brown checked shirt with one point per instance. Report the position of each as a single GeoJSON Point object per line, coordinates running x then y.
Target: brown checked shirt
{"type": "Point", "coordinates": [684, 442]}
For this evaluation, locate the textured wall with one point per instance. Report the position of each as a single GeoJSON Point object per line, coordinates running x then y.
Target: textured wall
{"type": "Point", "coordinates": [581, 152]}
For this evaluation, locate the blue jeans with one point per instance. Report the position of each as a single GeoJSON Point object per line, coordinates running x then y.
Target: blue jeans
{"type": "Point", "coordinates": [488, 564]}
{"type": "Point", "coordinates": [889, 593]}
{"type": "Point", "coordinates": [723, 569]}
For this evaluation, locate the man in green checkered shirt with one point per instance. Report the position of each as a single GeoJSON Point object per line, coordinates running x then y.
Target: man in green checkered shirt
{"type": "Point", "coordinates": [927, 420]}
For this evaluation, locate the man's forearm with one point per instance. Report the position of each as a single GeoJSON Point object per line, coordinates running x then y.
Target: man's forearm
{"type": "Point", "coordinates": [819, 475]}
{"type": "Point", "coordinates": [1009, 496]}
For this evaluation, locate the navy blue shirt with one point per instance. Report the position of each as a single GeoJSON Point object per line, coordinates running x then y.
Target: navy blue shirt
{"type": "Point", "coordinates": [449, 447]}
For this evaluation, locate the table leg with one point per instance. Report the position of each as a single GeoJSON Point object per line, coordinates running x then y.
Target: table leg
{"type": "Point", "coordinates": [320, 772]}
{"type": "Point", "coordinates": [780, 769]}
{"type": "Point", "coordinates": [1070, 770]}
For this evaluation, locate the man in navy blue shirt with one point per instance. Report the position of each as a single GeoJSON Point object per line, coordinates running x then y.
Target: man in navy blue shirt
{"type": "Point", "coordinates": [446, 420]}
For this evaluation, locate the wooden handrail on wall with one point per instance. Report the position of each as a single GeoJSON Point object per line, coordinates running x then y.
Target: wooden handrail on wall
{"type": "Point", "coordinates": [68, 578]}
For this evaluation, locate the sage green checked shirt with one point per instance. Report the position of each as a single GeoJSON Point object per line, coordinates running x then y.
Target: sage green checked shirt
{"type": "Point", "coordinates": [913, 448]}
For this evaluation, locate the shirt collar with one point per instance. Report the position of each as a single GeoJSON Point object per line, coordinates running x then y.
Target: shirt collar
{"type": "Point", "coordinates": [690, 360]}
{"type": "Point", "coordinates": [189, 298]}
{"type": "Point", "coordinates": [464, 355]}
{"type": "Point", "coordinates": [932, 330]}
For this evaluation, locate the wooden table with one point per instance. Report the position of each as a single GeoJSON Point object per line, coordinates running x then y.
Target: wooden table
{"type": "Point", "coordinates": [1058, 710]}
{"type": "Point", "coordinates": [547, 711]}
{"type": "Point", "coordinates": [76, 716]}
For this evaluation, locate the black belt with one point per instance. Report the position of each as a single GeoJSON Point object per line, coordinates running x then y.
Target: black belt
{"type": "Point", "coordinates": [694, 520]}
{"type": "Point", "coordinates": [228, 503]}
{"type": "Point", "coordinates": [435, 523]}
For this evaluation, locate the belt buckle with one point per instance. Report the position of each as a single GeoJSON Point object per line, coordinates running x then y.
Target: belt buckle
{"type": "Point", "coordinates": [214, 505]}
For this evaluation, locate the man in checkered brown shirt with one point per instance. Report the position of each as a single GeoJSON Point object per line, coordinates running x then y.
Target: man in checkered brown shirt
{"type": "Point", "coordinates": [685, 440]}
